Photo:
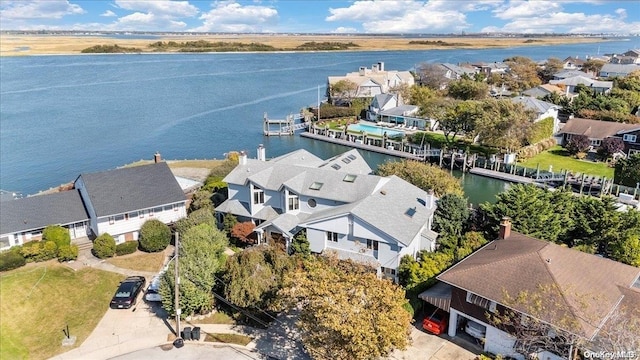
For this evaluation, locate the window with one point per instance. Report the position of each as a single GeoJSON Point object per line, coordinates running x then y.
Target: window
{"type": "Point", "coordinates": [633, 152]}
{"type": "Point", "coordinates": [111, 220]}
{"type": "Point", "coordinates": [175, 207]}
{"type": "Point", "coordinates": [133, 214]}
{"type": "Point", "coordinates": [331, 236]}
{"type": "Point", "coordinates": [372, 245]}
{"type": "Point", "coordinates": [351, 156]}
{"type": "Point", "coordinates": [350, 178]}
{"type": "Point", "coordinates": [595, 142]}
{"type": "Point", "coordinates": [4, 242]}
{"type": "Point", "coordinates": [388, 271]}
{"type": "Point", "coordinates": [629, 138]}
{"type": "Point", "coordinates": [157, 210]}
{"type": "Point", "coordinates": [316, 185]}
{"type": "Point", "coordinates": [119, 217]}
{"type": "Point", "coordinates": [141, 214]}
{"type": "Point", "coordinates": [294, 202]}
{"type": "Point", "coordinates": [336, 166]}
{"type": "Point", "coordinates": [258, 195]}
{"type": "Point", "coordinates": [480, 301]}
{"type": "Point", "coordinates": [168, 208]}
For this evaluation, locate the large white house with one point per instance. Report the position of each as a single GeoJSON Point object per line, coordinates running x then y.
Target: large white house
{"type": "Point", "coordinates": [341, 205]}
{"type": "Point", "coordinates": [371, 82]}
{"type": "Point", "coordinates": [119, 201]}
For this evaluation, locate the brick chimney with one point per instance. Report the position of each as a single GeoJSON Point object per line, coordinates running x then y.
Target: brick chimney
{"type": "Point", "coordinates": [157, 157]}
{"type": "Point", "coordinates": [505, 228]}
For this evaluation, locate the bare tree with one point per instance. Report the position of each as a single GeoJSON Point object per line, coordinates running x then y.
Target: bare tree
{"type": "Point", "coordinates": [432, 76]}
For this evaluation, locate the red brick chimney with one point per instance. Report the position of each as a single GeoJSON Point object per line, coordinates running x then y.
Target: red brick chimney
{"type": "Point", "coordinates": [505, 228]}
{"type": "Point", "coordinates": [157, 157]}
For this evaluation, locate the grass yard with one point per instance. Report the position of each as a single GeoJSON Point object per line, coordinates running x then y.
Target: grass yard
{"type": "Point", "coordinates": [228, 338]}
{"type": "Point", "coordinates": [215, 318]}
{"type": "Point", "coordinates": [140, 261]}
{"type": "Point", "coordinates": [559, 158]}
{"type": "Point", "coordinates": [37, 302]}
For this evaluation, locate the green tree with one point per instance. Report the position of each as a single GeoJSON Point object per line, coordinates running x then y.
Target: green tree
{"type": "Point", "coordinates": [343, 90]}
{"type": "Point", "coordinates": [504, 124]}
{"type": "Point", "coordinates": [154, 236]}
{"type": "Point", "coordinates": [253, 277]}
{"type": "Point", "coordinates": [593, 66]}
{"type": "Point", "coordinates": [423, 272]}
{"type": "Point", "coordinates": [627, 171]}
{"type": "Point", "coordinates": [467, 89]}
{"type": "Point", "coordinates": [104, 246]}
{"type": "Point", "coordinates": [201, 200]}
{"type": "Point", "coordinates": [300, 244]}
{"type": "Point", "coordinates": [228, 223]}
{"type": "Point", "coordinates": [200, 216]}
{"type": "Point", "coordinates": [630, 82]}
{"type": "Point", "coordinates": [67, 253]}
{"type": "Point", "coordinates": [451, 215]}
{"type": "Point", "coordinates": [522, 74]}
{"type": "Point", "coordinates": [56, 233]}
{"type": "Point", "coordinates": [552, 66]}
{"type": "Point", "coordinates": [201, 257]}
{"type": "Point", "coordinates": [424, 176]}
{"type": "Point", "coordinates": [460, 119]}
{"type": "Point", "coordinates": [531, 209]}
{"type": "Point", "coordinates": [347, 312]}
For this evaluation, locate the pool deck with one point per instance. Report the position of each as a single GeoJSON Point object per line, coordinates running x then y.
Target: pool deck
{"type": "Point", "coordinates": [351, 144]}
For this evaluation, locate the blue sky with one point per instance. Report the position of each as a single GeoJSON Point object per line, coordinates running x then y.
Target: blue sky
{"type": "Point", "coordinates": [317, 16]}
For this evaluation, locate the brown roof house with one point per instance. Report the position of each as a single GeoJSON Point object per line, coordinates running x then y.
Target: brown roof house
{"type": "Point", "coordinates": [571, 293]}
{"type": "Point", "coordinates": [597, 131]}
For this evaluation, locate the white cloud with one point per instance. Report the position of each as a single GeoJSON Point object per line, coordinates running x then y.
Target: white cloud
{"type": "Point", "coordinates": [561, 22]}
{"type": "Point", "coordinates": [344, 30]}
{"type": "Point", "coordinates": [33, 9]}
{"type": "Point", "coordinates": [176, 9]}
{"type": "Point", "coordinates": [108, 13]}
{"type": "Point", "coordinates": [405, 16]}
{"type": "Point", "coordinates": [521, 9]}
{"type": "Point", "coordinates": [230, 16]}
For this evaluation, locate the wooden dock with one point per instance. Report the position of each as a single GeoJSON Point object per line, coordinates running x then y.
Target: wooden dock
{"type": "Point", "coordinates": [501, 176]}
{"type": "Point", "coordinates": [352, 144]}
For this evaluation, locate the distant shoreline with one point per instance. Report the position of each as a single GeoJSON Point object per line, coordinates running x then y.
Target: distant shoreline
{"type": "Point", "coordinates": [26, 45]}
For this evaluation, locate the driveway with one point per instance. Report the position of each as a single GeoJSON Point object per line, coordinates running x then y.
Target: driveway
{"type": "Point", "coordinates": [192, 352]}
{"type": "Point", "coordinates": [122, 331]}
{"type": "Point", "coordinates": [432, 347]}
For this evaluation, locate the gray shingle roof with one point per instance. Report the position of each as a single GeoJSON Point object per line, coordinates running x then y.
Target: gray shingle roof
{"type": "Point", "coordinates": [36, 212]}
{"type": "Point", "coordinates": [539, 106]}
{"type": "Point", "coordinates": [127, 189]}
{"type": "Point", "coordinates": [596, 129]}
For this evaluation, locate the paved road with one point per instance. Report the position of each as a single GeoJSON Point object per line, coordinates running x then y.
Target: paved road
{"type": "Point", "coordinates": [192, 352]}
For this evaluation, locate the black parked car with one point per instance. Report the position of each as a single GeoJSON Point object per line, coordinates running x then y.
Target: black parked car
{"type": "Point", "coordinates": [127, 292]}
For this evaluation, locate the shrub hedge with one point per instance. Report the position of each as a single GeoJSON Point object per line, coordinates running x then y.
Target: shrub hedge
{"type": "Point", "coordinates": [154, 236]}
{"type": "Point", "coordinates": [127, 247]}
{"type": "Point", "coordinates": [104, 246]}
{"type": "Point", "coordinates": [10, 260]}
{"type": "Point", "coordinates": [67, 252]}
{"type": "Point", "coordinates": [39, 251]}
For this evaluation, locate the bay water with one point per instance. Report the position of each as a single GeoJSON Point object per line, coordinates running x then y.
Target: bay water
{"type": "Point", "coordinates": [65, 115]}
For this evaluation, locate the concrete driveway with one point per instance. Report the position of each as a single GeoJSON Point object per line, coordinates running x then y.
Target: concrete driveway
{"type": "Point", "coordinates": [192, 352]}
{"type": "Point", "coordinates": [122, 331]}
{"type": "Point", "coordinates": [433, 347]}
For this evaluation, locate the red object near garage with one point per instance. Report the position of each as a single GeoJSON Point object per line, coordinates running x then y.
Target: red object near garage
{"type": "Point", "coordinates": [436, 322]}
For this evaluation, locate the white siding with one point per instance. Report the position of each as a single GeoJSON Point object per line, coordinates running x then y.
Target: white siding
{"type": "Point", "coordinates": [132, 221]}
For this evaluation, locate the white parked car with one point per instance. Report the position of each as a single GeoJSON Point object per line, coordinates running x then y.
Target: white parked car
{"type": "Point", "coordinates": [153, 291]}
{"type": "Point", "coordinates": [476, 330]}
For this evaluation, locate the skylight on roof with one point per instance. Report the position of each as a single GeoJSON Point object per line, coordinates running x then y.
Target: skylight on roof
{"type": "Point", "coordinates": [351, 156]}
{"type": "Point", "coordinates": [350, 178]}
{"type": "Point", "coordinates": [346, 161]}
{"type": "Point", "coordinates": [336, 166]}
{"type": "Point", "coordinates": [316, 185]}
{"type": "Point", "coordinates": [410, 212]}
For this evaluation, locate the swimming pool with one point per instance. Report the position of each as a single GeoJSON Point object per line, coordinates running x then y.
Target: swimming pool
{"type": "Point", "coordinates": [375, 130]}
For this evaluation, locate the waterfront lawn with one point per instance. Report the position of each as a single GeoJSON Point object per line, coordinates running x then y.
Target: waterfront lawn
{"type": "Point", "coordinates": [40, 300]}
{"type": "Point", "coordinates": [140, 261]}
{"type": "Point", "coordinates": [561, 160]}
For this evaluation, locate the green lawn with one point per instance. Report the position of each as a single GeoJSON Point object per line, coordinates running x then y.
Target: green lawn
{"type": "Point", "coordinates": [140, 261]}
{"type": "Point", "coordinates": [560, 160]}
{"type": "Point", "coordinates": [38, 301]}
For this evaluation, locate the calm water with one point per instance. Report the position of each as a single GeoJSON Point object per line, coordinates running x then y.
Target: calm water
{"type": "Point", "coordinates": [65, 115]}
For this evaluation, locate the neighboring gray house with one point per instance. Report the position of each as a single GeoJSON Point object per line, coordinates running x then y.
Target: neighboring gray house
{"type": "Point", "coordinates": [600, 87]}
{"type": "Point", "coordinates": [565, 74]}
{"type": "Point", "coordinates": [119, 201]}
{"type": "Point", "coordinates": [541, 108]}
{"type": "Point", "coordinates": [343, 208]}
{"type": "Point", "coordinates": [613, 70]}
{"type": "Point", "coordinates": [23, 220]}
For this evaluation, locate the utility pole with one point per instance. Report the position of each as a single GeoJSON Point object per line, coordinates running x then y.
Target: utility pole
{"type": "Point", "coordinates": [177, 290]}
